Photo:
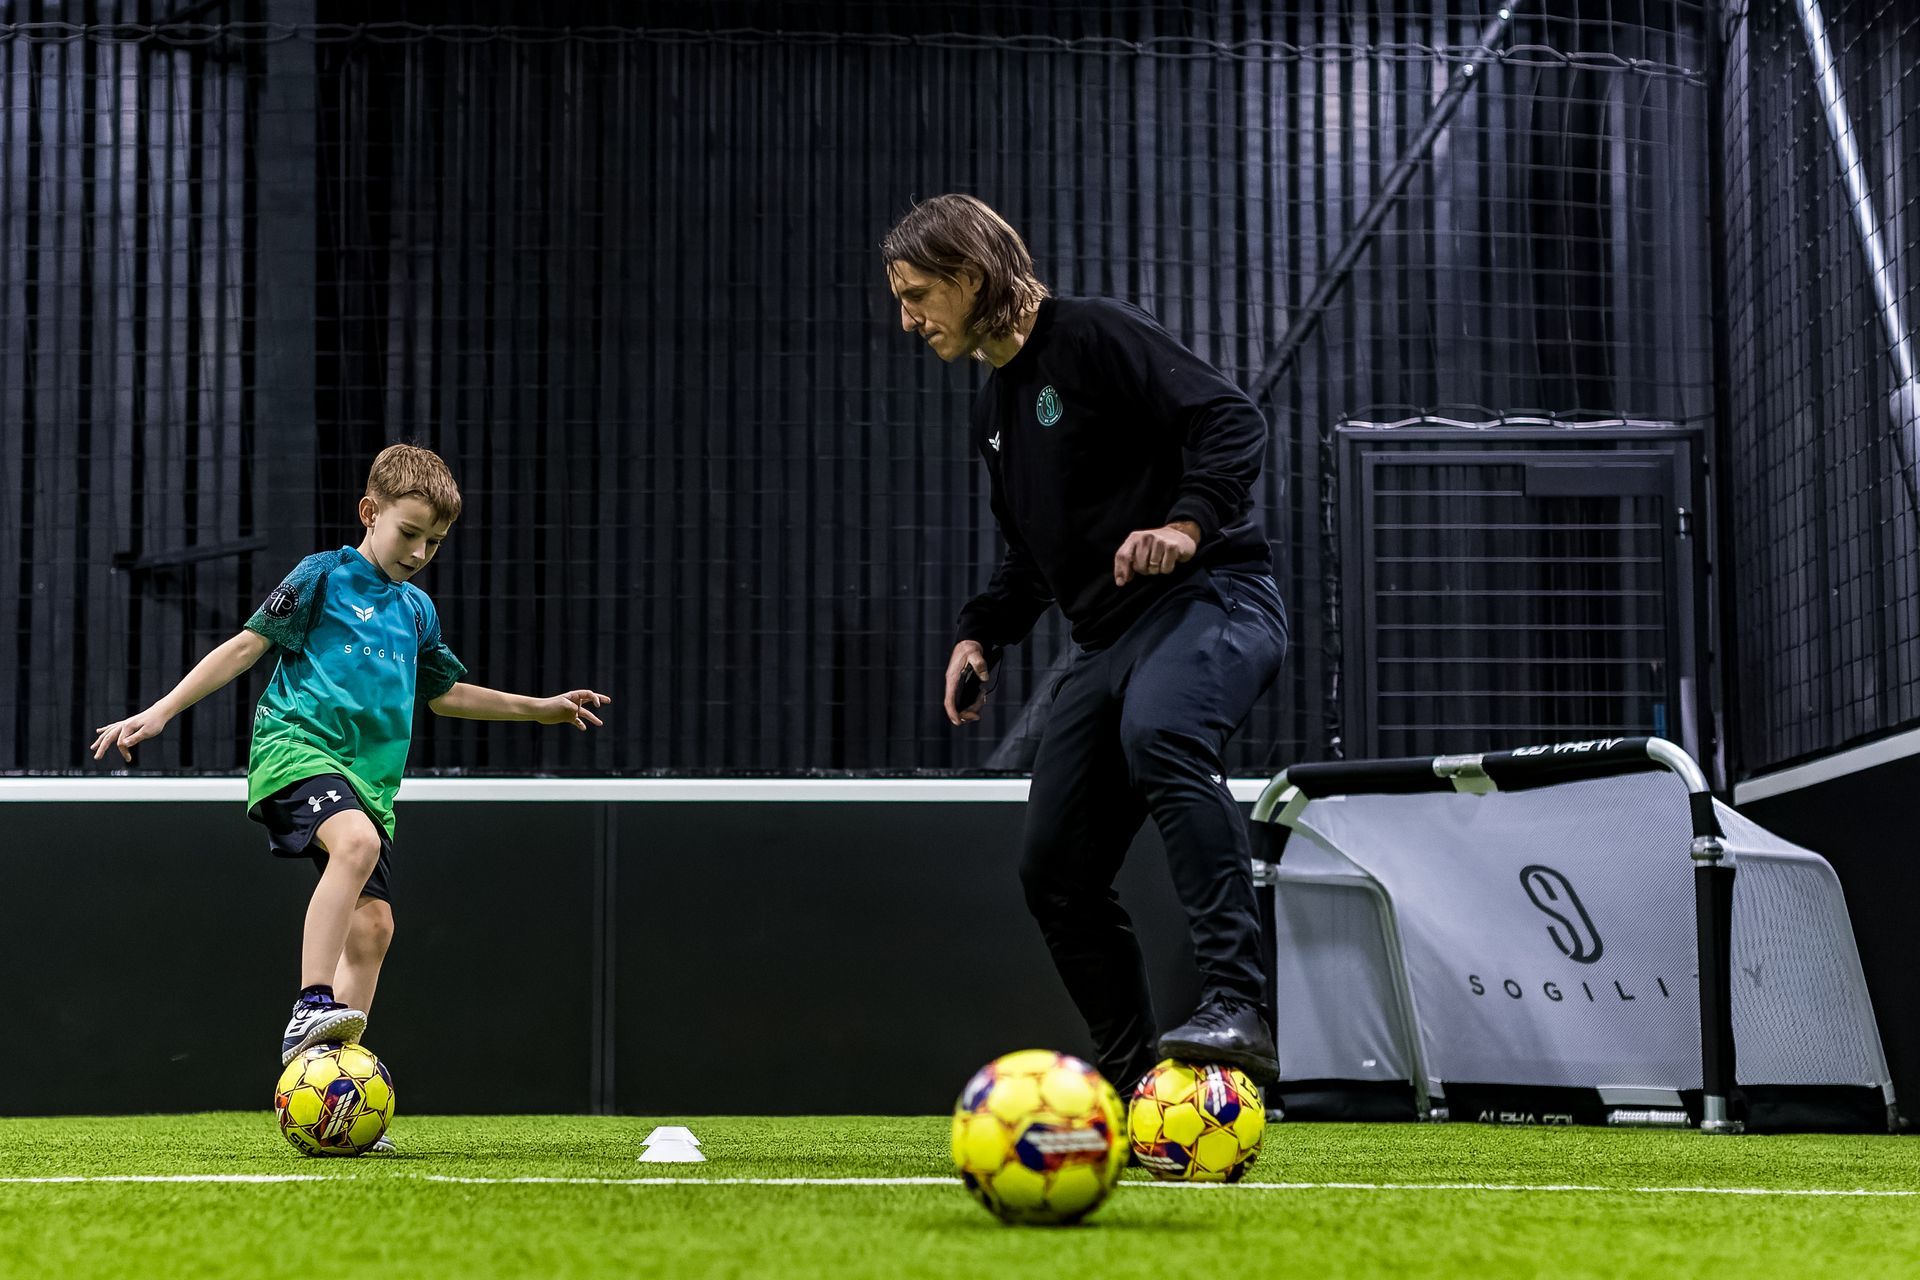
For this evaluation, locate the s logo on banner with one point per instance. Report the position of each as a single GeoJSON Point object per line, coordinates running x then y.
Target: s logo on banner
{"type": "Point", "coordinates": [1573, 931]}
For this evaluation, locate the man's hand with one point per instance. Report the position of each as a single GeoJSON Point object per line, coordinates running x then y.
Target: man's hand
{"type": "Point", "coordinates": [966, 655]}
{"type": "Point", "coordinates": [124, 734]}
{"type": "Point", "coordinates": [1155, 551]}
{"type": "Point", "coordinates": [571, 708]}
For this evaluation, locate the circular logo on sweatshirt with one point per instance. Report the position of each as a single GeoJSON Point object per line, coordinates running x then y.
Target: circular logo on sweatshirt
{"type": "Point", "coordinates": [1047, 407]}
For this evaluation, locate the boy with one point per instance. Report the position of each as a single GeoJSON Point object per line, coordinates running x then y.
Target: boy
{"type": "Point", "coordinates": [357, 642]}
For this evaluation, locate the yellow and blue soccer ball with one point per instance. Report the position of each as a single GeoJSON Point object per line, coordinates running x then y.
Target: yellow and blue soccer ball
{"type": "Point", "coordinates": [1039, 1137]}
{"type": "Point", "coordinates": [334, 1100]}
{"type": "Point", "coordinates": [1196, 1122]}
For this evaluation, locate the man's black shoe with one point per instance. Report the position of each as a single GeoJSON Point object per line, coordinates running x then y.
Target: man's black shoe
{"type": "Point", "coordinates": [1225, 1029]}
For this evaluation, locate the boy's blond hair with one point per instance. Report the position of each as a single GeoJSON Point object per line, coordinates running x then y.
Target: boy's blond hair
{"type": "Point", "coordinates": [408, 471]}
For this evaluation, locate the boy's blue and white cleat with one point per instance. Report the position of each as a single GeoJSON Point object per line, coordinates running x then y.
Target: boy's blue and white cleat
{"type": "Point", "coordinates": [312, 1024]}
{"type": "Point", "coordinates": [384, 1147]}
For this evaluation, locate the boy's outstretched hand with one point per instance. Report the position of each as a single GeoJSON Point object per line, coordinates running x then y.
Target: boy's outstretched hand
{"type": "Point", "coordinates": [571, 708]}
{"type": "Point", "coordinates": [124, 734]}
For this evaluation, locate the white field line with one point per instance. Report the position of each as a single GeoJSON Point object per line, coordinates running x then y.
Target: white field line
{"type": "Point", "coordinates": [1546, 1188]}
{"type": "Point", "coordinates": [173, 1177]}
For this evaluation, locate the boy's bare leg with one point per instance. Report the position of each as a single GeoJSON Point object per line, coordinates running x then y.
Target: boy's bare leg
{"type": "Point", "coordinates": [353, 982]}
{"type": "Point", "coordinates": [368, 937]}
{"type": "Point", "coordinates": [352, 845]}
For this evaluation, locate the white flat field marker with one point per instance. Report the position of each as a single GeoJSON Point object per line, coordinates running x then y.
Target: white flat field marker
{"type": "Point", "coordinates": [671, 1144]}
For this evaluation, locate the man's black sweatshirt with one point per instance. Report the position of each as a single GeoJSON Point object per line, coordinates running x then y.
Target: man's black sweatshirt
{"type": "Point", "coordinates": [1102, 425]}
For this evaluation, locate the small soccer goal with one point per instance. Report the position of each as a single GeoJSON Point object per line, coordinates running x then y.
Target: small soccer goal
{"type": "Point", "coordinates": [1575, 934]}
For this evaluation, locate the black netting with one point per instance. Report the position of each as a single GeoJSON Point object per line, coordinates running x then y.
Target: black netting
{"type": "Point", "coordinates": [1822, 164]}
{"type": "Point", "coordinates": [624, 278]}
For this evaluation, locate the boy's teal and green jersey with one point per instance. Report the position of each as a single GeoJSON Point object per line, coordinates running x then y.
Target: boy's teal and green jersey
{"type": "Point", "coordinates": [355, 647]}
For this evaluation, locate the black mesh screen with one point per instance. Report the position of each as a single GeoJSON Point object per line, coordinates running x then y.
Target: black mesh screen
{"type": "Point", "coordinates": [1822, 162]}
{"type": "Point", "coordinates": [624, 277]}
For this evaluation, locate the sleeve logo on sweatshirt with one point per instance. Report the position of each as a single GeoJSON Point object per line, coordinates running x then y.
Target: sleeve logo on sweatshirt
{"type": "Point", "coordinates": [1047, 408]}
{"type": "Point", "coordinates": [281, 603]}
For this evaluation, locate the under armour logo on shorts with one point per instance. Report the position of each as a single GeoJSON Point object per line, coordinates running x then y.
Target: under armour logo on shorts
{"type": "Point", "coordinates": [315, 800]}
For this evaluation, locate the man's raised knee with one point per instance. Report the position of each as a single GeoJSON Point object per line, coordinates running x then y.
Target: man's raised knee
{"type": "Point", "coordinates": [1153, 748]}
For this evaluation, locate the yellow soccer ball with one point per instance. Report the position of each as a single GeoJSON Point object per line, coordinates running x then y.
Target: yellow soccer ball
{"type": "Point", "coordinates": [1196, 1122]}
{"type": "Point", "coordinates": [1039, 1137]}
{"type": "Point", "coordinates": [334, 1100]}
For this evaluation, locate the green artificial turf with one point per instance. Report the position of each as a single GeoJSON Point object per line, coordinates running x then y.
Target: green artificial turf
{"type": "Point", "coordinates": [391, 1217]}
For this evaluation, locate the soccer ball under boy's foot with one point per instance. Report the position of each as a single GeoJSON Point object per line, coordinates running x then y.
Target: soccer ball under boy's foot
{"type": "Point", "coordinates": [1196, 1122]}
{"type": "Point", "coordinates": [334, 1100]}
{"type": "Point", "coordinates": [1039, 1137]}
{"type": "Point", "coordinates": [313, 1024]}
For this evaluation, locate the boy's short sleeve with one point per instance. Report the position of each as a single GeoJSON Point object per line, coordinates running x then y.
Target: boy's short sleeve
{"type": "Point", "coordinates": [287, 614]}
{"type": "Point", "coordinates": [439, 669]}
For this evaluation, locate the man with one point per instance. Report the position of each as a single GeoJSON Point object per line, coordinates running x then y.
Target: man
{"type": "Point", "coordinates": [1120, 465]}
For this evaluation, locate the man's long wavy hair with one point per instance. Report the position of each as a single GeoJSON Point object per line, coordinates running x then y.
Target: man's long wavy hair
{"type": "Point", "coordinates": [945, 233]}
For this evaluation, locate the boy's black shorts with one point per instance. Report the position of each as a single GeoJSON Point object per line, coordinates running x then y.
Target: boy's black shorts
{"type": "Point", "coordinates": [294, 812]}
